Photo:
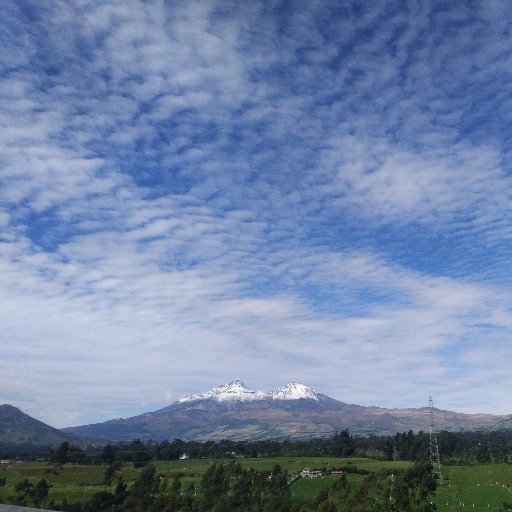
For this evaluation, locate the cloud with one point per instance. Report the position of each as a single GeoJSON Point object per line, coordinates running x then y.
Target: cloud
{"type": "Point", "coordinates": [200, 191]}
{"type": "Point", "coordinates": [122, 315]}
{"type": "Point", "coordinates": [389, 185]}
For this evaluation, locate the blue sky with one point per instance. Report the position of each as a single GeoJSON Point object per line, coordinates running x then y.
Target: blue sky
{"type": "Point", "coordinates": [196, 191]}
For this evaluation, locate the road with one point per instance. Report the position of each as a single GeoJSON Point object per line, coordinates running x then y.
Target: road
{"type": "Point", "coordinates": [15, 508]}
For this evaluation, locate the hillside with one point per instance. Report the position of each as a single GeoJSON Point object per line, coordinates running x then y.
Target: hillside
{"type": "Point", "coordinates": [232, 411]}
{"type": "Point", "coordinates": [17, 427]}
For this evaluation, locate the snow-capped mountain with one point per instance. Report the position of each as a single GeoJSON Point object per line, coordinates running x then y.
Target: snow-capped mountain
{"type": "Point", "coordinates": [235, 390]}
{"type": "Point", "coordinates": [295, 411]}
{"type": "Point", "coordinates": [293, 391]}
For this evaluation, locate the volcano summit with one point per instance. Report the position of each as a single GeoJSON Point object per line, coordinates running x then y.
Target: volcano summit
{"type": "Point", "coordinates": [294, 411]}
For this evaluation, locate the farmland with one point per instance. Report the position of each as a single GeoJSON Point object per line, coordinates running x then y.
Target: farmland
{"type": "Point", "coordinates": [478, 487]}
{"type": "Point", "coordinates": [77, 483]}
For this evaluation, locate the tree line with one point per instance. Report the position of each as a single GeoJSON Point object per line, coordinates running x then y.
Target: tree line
{"type": "Point", "coordinates": [456, 448]}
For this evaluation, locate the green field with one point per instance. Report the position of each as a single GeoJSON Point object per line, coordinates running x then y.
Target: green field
{"type": "Point", "coordinates": [480, 487]}
{"type": "Point", "coordinates": [76, 483]}
{"type": "Point", "coordinates": [292, 464]}
{"type": "Point", "coordinates": [305, 490]}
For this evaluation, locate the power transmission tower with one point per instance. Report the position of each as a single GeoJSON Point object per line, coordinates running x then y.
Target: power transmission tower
{"type": "Point", "coordinates": [433, 447]}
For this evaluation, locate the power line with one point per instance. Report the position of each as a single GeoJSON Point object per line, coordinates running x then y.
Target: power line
{"type": "Point", "coordinates": [433, 446]}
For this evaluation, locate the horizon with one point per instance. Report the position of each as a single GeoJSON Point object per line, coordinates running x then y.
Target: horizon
{"type": "Point", "coordinates": [161, 406]}
{"type": "Point", "coordinates": [307, 190]}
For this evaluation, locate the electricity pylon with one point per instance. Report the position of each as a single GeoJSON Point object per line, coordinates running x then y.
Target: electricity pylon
{"type": "Point", "coordinates": [433, 447]}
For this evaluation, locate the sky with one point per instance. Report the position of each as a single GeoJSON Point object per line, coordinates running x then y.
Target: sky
{"type": "Point", "coordinates": [312, 191]}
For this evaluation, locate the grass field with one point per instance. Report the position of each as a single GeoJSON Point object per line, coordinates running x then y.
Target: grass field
{"type": "Point", "coordinates": [305, 490]}
{"type": "Point", "coordinates": [79, 482]}
{"type": "Point", "coordinates": [479, 488]}
{"type": "Point", "coordinates": [291, 464]}
{"type": "Point", "coordinates": [482, 487]}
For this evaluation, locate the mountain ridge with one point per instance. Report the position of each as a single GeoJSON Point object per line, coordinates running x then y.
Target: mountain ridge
{"type": "Point", "coordinates": [294, 411]}
{"type": "Point", "coordinates": [233, 411]}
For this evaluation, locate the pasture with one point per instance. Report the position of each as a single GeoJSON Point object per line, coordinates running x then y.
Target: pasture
{"type": "Point", "coordinates": [291, 464]}
{"type": "Point", "coordinates": [77, 483]}
{"type": "Point", "coordinates": [480, 487]}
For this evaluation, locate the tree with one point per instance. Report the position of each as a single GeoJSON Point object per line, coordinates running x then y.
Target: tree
{"type": "Point", "coordinates": [482, 454]}
{"type": "Point", "coordinates": [23, 490]}
{"type": "Point", "coordinates": [140, 453]}
{"type": "Point", "coordinates": [278, 494]}
{"type": "Point", "coordinates": [321, 496]}
{"type": "Point", "coordinates": [176, 485]}
{"type": "Point", "coordinates": [147, 483]}
{"type": "Point", "coordinates": [99, 501]}
{"type": "Point", "coordinates": [40, 491]}
{"type": "Point", "coordinates": [110, 472]}
{"type": "Point", "coordinates": [23, 487]}
{"type": "Point", "coordinates": [120, 492]}
{"type": "Point", "coordinates": [214, 482]}
{"type": "Point", "coordinates": [61, 455]}
{"type": "Point", "coordinates": [75, 454]}
{"type": "Point", "coordinates": [389, 450]}
{"type": "Point", "coordinates": [340, 489]}
{"type": "Point", "coordinates": [108, 455]}
{"type": "Point", "coordinates": [343, 444]}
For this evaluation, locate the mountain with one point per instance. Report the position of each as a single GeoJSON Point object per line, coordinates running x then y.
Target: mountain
{"type": "Point", "coordinates": [235, 390]}
{"type": "Point", "coordinates": [295, 391]}
{"type": "Point", "coordinates": [294, 411]}
{"type": "Point", "coordinates": [16, 427]}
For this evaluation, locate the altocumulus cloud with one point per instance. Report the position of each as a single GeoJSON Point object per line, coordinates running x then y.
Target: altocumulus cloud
{"type": "Point", "coordinates": [196, 191]}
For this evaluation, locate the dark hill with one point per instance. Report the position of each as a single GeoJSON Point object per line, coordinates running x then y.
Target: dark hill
{"type": "Point", "coordinates": [16, 427]}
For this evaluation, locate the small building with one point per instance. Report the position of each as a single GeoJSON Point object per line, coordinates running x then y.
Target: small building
{"type": "Point", "coordinates": [307, 472]}
{"type": "Point", "coordinates": [337, 472]}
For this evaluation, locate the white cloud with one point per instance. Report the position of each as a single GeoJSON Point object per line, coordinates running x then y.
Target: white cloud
{"type": "Point", "coordinates": [373, 178]}
{"type": "Point", "coordinates": [108, 309]}
{"type": "Point", "coordinates": [202, 192]}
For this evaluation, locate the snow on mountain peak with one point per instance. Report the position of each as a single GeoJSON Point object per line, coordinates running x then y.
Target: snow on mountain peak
{"type": "Point", "coordinates": [293, 391]}
{"type": "Point", "coordinates": [235, 390]}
